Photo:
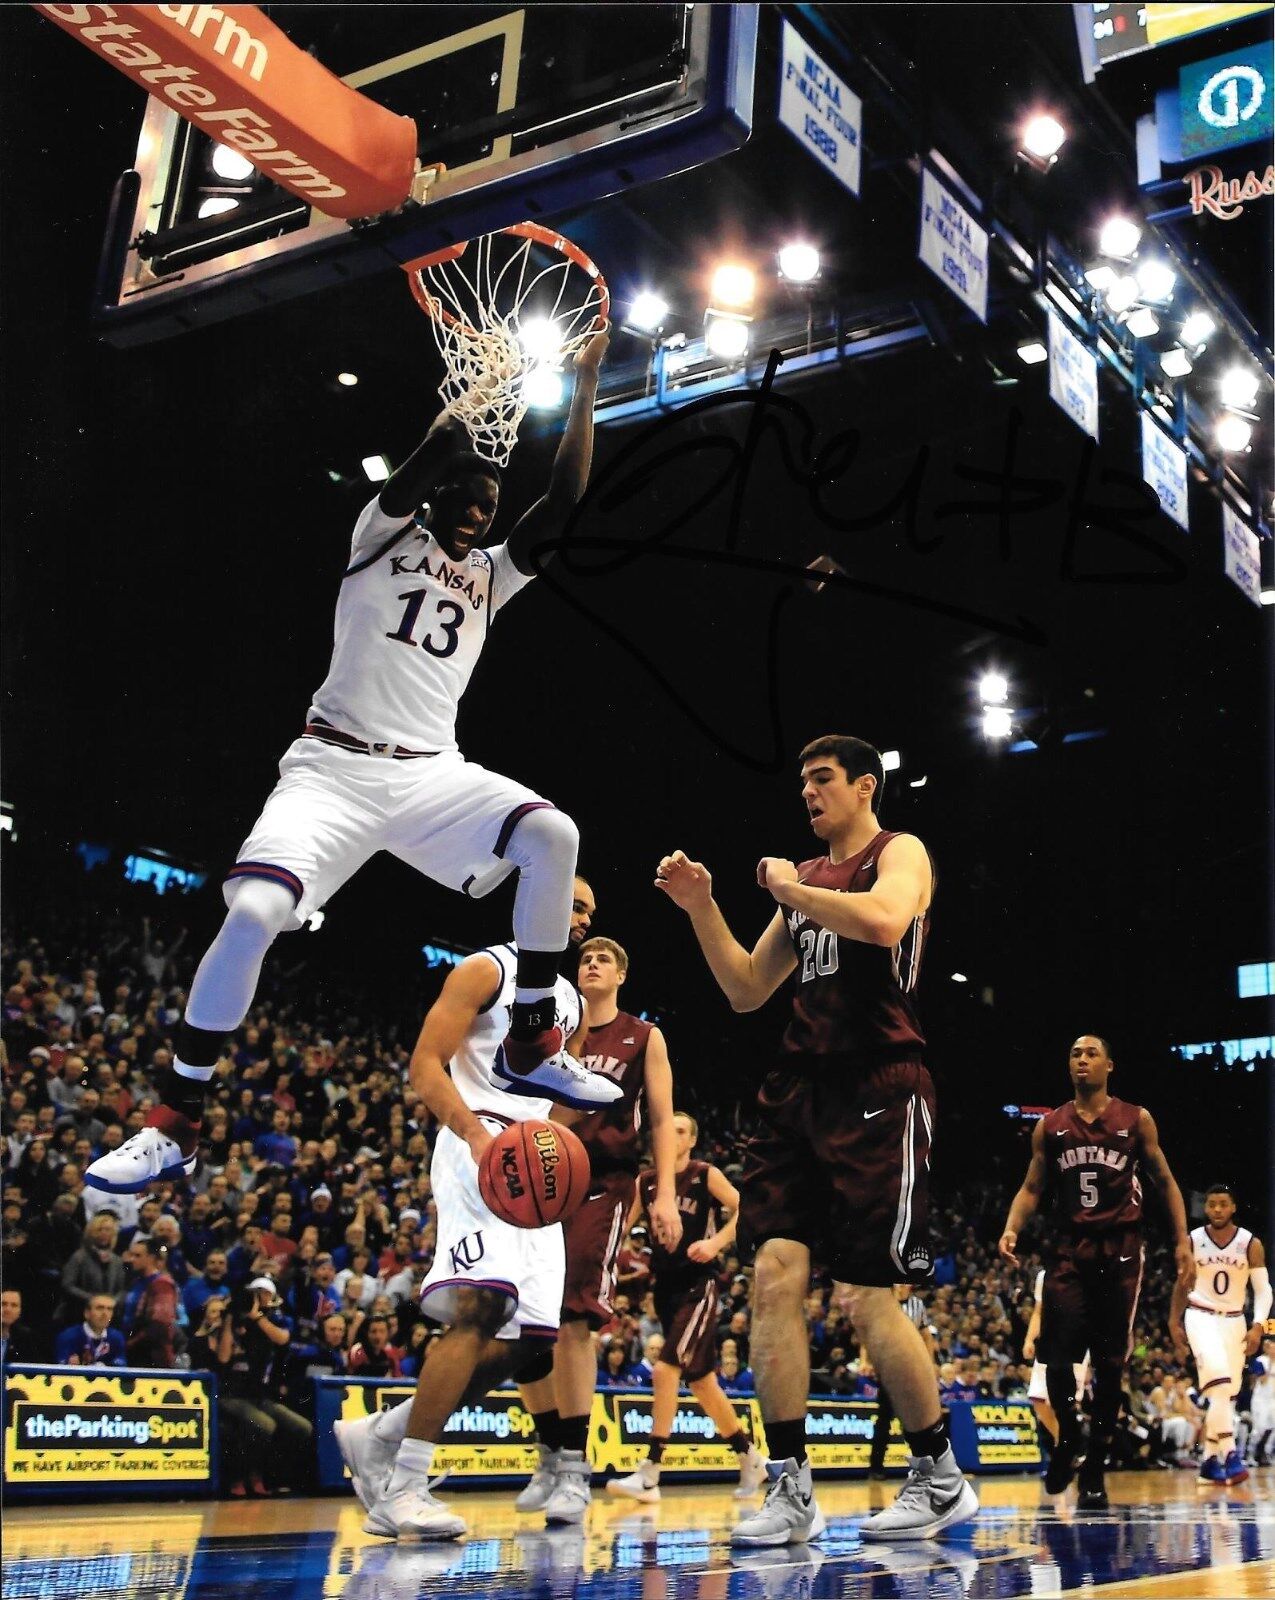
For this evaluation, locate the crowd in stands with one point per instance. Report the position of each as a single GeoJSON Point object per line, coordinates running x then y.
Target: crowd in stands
{"type": "Point", "coordinates": [299, 1246]}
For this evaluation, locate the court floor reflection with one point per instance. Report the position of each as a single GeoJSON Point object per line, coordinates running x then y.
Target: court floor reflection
{"type": "Point", "coordinates": [1164, 1536]}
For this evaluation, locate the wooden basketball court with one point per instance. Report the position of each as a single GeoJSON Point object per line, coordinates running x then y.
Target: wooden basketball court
{"type": "Point", "coordinates": [1164, 1536]}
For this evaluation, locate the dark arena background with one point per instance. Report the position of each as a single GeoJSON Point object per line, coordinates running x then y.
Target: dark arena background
{"type": "Point", "coordinates": [976, 479]}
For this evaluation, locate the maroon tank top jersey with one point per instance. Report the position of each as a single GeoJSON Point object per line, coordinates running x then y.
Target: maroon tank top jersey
{"type": "Point", "coordinates": [696, 1207]}
{"type": "Point", "coordinates": [1093, 1181]}
{"type": "Point", "coordinates": [617, 1049]}
{"type": "Point", "coordinates": [853, 1000]}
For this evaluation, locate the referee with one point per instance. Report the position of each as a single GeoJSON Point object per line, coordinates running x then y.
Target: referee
{"type": "Point", "coordinates": [914, 1310]}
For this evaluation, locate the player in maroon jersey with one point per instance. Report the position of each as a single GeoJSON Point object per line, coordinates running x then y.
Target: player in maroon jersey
{"type": "Point", "coordinates": [1087, 1161]}
{"type": "Point", "coordinates": [686, 1304]}
{"type": "Point", "coordinates": [633, 1054]}
{"type": "Point", "coordinates": [841, 1168]}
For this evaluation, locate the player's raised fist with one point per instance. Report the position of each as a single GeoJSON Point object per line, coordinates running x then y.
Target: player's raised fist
{"type": "Point", "coordinates": [773, 872]}
{"type": "Point", "coordinates": [687, 883]}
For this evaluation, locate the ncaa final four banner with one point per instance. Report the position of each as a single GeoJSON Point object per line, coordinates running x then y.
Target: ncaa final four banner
{"type": "Point", "coordinates": [70, 1434]}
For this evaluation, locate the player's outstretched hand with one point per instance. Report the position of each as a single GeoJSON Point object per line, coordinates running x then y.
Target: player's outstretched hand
{"type": "Point", "coordinates": [773, 872]}
{"type": "Point", "coordinates": [1181, 1349]}
{"type": "Point", "coordinates": [590, 357]}
{"type": "Point", "coordinates": [687, 883]}
{"type": "Point", "coordinates": [1253, 1340]}
{"type": "Point", "coordinates": [1007, 1245]}
{"type": "Point", "coordinates": [1029, 1349]}
{"type": "Point", "coordinates": [666, 1223]}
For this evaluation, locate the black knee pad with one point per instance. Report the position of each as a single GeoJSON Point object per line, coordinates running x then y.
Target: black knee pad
{"type": "Point", "coordinates": [536, 1367]}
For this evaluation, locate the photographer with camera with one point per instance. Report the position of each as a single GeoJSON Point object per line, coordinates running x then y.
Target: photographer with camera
{"type": "Point", "coordinates": [253, 1341]}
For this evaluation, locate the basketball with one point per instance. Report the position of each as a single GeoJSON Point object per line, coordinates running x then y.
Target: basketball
{"type": "Point", "coordinates": [534, 1174]}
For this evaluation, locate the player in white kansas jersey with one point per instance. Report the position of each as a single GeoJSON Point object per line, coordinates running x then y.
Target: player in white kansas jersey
{"type": "Point", "coordinates": [1210, 1319]}
{"type": "Point", "coordinates": [498, 1287]}
{"type": "Point", "coordinates": [377, 768]}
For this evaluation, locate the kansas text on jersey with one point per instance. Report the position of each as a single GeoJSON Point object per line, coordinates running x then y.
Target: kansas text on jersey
{"type": "Point", "coordinates": [408, 632]}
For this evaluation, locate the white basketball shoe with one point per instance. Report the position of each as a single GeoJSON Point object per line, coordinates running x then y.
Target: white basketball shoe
{"type": "Point", "coordinates": [788, 1515]}
{"type": "Point", "coordinates": [533, 1497]}
{"type": "Point", "coordinates": [935, 1496]}
{"type": "Point", "coordinates": [543, 1069]}
{"type": "Point", "coordinates": [148, 1157]}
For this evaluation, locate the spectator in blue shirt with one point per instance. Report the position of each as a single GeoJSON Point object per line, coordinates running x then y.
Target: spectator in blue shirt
{"type": "Point", "coordinates": [215, 1284]}
{"type": "Point", "coordinates": [614, 1373]}
{"type": "Point", "coordinates": [735, 1380]}
{"type": "Point", "coordinates": [93, 1342]}
{"type": "Point", "coordinates": [277, 1146]}
{"type": "Point", "coordinates": [241, 1260]}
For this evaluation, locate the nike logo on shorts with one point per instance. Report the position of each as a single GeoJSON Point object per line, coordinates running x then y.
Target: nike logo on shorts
{"type": "Point", "coordinates": [868, 1115]}
{"type": "Point", "coordinates": [1123, 1259]}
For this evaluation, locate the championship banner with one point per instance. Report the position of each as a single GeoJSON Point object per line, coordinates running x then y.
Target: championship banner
{"type": "Point", "coordinates": [1164, 468]}
{"type": "Point", "coordinates": [107, 1432]}
{"type": "Point", "coordinates": [995, 1436]}
{"type": "Point", "coordinates": [238, 78]}
{"type": "Point", "coordinates": [1242, 555]}
{"type": "Point", "coordinates": [1073, 376]}
{"type": "Point", "coordinates": [821, 111]}
{"type": "Point", "coordinates": [953, 245]}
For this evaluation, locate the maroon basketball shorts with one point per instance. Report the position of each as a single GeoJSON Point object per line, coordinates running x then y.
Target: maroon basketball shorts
{"type": "Point", "coordinates": [594, 1235]}
{"type": "Point", "coordinates": [1091, 1296]}
{"type": "Point", "coordinates": [688, 1315]}
{"type": "Point", "coordinates": [842, 1165]}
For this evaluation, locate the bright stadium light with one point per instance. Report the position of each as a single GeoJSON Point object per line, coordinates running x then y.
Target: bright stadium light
{"type": "Point", "coordinates": [1198, 328]}
{"type": "Point", "coordinates": [891, 761]}
{"type": "Point", "coordinates": [230, 165]}
{"type": "Point", "coordinates": [347, 380]}
{"type": "Point", "coordinates": [1043, 137]}
{"type": "Point", "coordinates": [376, 469]}
{"type": "Point", "coordinates": [799, 262]}
{"type": "Point", "coordinates": [993, 688]}
{"type": "Point", "coordinates": [1232, 433]}
{"type": "Point", "coordinates": [540, 338]}
{"type": "Point", "coordinates": [1033, 352]}
{"type": "Point", "coordinates": [1119, 238]}
{"type": "Point", "coordinates": [1239, 388]}
{"type": "Point", "coordinates": [1142, 323]}
{"type": "Point", "coordinates": [733, 286]}
{"type": "Point", "coordinates": [998, 722]}
{"type": "Point", "coordinates": [1100, 278]}
{"type": "Point", "coordinates": [1156, 279]}
{"type": "Point", "coordinates": [959, 977]}
{"type": "Point", "coordinates": [647, 312]}
{"type": "Point", "coordinates": [543, 388]}
{"type": "Point", "coordinates": [1176, 363]}
{"type": "Point", "coordinates": [1122, 294]}
{"type": "Point", "coordinates": [919, 783]}
{"type": "Point", "coordinates": [726, 337]}
{"type": "Point", "coordinates": [216, 204]}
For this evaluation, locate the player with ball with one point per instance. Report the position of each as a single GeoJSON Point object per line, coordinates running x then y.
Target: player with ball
{"type": "Point", "coordinates": [502, 1174]}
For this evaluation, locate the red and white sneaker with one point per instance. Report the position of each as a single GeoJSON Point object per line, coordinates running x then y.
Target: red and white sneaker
{"type": "Point", "coordinates": [543, 1069]}
{"type": "Point", "coordinates": [150, 1156]}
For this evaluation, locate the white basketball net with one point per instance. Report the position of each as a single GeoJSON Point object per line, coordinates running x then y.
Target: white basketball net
{"type": "Point", "coordinates": [507, 312]}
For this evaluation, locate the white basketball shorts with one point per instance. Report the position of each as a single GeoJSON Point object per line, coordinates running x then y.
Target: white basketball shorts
{"type": "Point", "coordinates": [333, 809]}
{"type": "Point", "coordinates": [1217, 1343]}
{"type": "Point", "coordinates": [1037, 1389]}
{"type": "Point", "coordinates": [478, 1250]}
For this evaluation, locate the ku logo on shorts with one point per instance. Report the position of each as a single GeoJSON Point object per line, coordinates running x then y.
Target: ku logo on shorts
{"type": "Point", "coordinates": [468, 1253]}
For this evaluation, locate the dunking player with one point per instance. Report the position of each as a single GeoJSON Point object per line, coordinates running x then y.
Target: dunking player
{"type": "Point", "coordinates": [377, 768]}
{"type": "Point", "coordinates": [498, 1287]}
{"type": "Point", "coordinates": [1087, 1159]}
{"type": "Point", "coordinates": [558, 1386]}
{"type": "Point", "coordinates": [1210, 1319]}
{"type": "Point", "coordinates": [686, 1304]}
{"type": "Point", "coordinates": [841, 1169]}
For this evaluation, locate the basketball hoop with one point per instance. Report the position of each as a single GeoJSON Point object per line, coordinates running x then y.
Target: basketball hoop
{"type": "Point", "coordinates": [503, 307]}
